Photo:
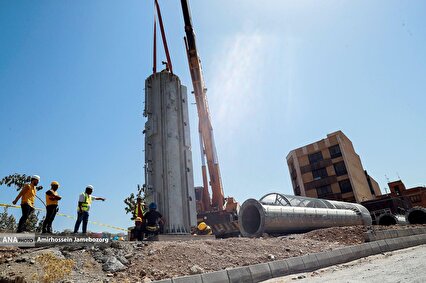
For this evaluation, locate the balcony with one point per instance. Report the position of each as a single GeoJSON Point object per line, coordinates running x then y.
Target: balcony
{"type": "Point", "coordinates": [320, 183]}
{"type": "Point", "coordinates": [317, 165]}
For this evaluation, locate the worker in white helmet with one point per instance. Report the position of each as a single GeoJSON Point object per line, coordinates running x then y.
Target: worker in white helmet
{"type": "Point", "coordinates": [84, 202]}
{"type": "Point", "coordinates": [28, 194]}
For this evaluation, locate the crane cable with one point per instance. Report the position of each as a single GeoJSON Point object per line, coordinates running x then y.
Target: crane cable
{"type": "Point", "coordinates": [169, 66]}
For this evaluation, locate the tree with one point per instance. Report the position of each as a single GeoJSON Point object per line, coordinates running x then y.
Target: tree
{"type": "Point", "coordinates": [7, 222]}
{"type": "Point", "coordinates": [131, 202]}
{"type": "Point", "coordinates": [17, 180]}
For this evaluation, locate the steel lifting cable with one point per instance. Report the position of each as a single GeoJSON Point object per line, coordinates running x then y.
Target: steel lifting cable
{"type": "Point", "coordinates": [163, 36]}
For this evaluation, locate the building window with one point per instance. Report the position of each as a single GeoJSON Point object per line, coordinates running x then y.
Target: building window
{"type": "Point", "coordinates": [315, 157]}
{"type": "Point", "coordinates": [340, 168]}
{"type": "Point", "coordinates": [319, 174]}
{"type": "Point", "coordinates": [415, 198]}
{"type": "Point", "coordinates": [397, 191]}
{"type": "Point", "coordinates": [297, 191]}
{"type": "Point", "coordinates": [323, 191]}
{"type": "Point", "coordinates": [345, 186]}
{"type": "Point", "coordinates": [335, 151]}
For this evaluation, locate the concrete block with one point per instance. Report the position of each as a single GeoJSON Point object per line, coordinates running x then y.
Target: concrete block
{"type": "Point", "coordinates": [406, 233]}
{"type": "Point", "coordinates": [188, 279]}
{"type": "Point", "coordinates": [295, 264]}
{"type": "Point", "coordinates": [421, 239]}
{"type": "Point", "coordinates": [335, 257]}
{"type": "Point", "coordinates": [220, 276]}
{"type": "Point", "coordinates": [347, 254]}
{"type": "Point", "coordinates": [310, 261]}
{"type": "Point", "coordinates": [412, 240]}
{"type": "Point", "coordinates": [401, 233]}
{"type": "Point", "coordinates": [239, 275]}
{"type": "Point", "coordinates": [386, 234]}
{"type": "Point", "coordinates": [380, 235]}
{"type": "Point", "coordinates": [279, 268]}
{"type": "Point", "coordinates": [393, 233]}
{"type": "Point", "coordinates": [260, 272]}
{"type": "Point", "coordinates": [369, 236]}
{"type": "Point", "coordinates": [405, 242]}
{"type": "Point", "coordinates": [392, 243]}
{"type": "Point", "coordinates": [375, 248]}
{"type": "Point", "coordinates": [360, 251]}
{"type": "Point", "coordinates": [383, 246]}
{"type": "Point", "coordinates": [323, 259]}
{"type": "Point", "coordinates": [163, 281]}
{"type": "Point", "coordinates": [409, 231]}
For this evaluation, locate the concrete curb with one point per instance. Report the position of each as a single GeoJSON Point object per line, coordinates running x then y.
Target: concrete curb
{"type": "Point", "coordinates": [372, 236]}
{"type": "Point", "coordinates": [264, 271]}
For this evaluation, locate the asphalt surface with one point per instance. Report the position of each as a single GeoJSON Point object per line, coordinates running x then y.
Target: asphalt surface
{"type": "Point", "coordinates": [407, 265]}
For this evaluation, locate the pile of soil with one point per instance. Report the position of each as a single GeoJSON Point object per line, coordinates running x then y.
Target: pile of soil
{"type": "Point", "coordinates": [146, 261]}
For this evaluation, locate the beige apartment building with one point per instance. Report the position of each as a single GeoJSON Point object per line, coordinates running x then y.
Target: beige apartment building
{"type": "Point", "coordinates": [331, 169]}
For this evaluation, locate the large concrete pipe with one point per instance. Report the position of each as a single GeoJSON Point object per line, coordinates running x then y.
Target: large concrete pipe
{"type": "Point", "coordinates": [388, 219]}
{"type": "Point", "coordinates": [416, 215]}
{"type": "Point", "coordinates": [282, 214]}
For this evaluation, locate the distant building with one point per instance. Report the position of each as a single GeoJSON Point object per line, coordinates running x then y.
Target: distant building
{"type": "Point", "coordinates": [331, 169]}
{"type": "Point", "coordinates": [416, 195]}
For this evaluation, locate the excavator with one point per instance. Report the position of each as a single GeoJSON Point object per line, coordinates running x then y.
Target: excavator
{"type": "Point", "coordinates": [220, 213]}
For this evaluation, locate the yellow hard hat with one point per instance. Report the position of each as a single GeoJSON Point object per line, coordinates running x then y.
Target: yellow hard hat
{"type": "Point", "coordinates": [202, 226]}
{"type": "Point", "coordinates": [138, 219]}
{"type": "Point", "coordinates": [54, 183]}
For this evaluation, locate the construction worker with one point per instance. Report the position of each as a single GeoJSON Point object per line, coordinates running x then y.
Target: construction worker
{"type": "Point", "coordinates": [84, 202]}
{"type": "Point", "coordinates": [203, 229]}
{"type": "Point", "coordinates": [153, 220]}
{"type": "Point", "coordinates": [137, 232]}
{"type": "Point", "coordinates": [28, 194]}
{"type": "Point", "coordinates": [52, 199]}
{"type": "Point", "coordinates": [140, 208]}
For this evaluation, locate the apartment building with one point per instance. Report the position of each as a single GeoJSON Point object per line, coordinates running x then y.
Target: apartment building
{"type": "Point", "coordinates": [331, 169]}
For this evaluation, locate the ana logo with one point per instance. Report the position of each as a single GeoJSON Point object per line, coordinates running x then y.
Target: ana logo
{"type": "Point", "coordinates": [10, 239]}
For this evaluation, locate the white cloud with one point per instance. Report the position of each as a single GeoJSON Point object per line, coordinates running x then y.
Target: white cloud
{"type": "Point", "coordinates": [236, 80]}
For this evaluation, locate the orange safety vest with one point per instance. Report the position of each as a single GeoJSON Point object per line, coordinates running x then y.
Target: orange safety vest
{"type": "Point", "coordinates": [29, 194]}
{"type": "Point", "coordinates": [49, 201]}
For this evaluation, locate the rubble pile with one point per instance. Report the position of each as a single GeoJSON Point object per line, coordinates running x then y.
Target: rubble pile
{"type": "Point", "coordinates": [146, 261]}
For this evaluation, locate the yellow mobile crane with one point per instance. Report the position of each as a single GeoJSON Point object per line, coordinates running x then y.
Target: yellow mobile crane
{"type": "Point", "coordinates": [218, 212]}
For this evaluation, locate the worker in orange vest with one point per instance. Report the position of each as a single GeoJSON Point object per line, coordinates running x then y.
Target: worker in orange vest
{"type": "Point", "coordinates": [28, 194]}
{"type": "Point", "coordinates": [52, 199]}
{"type": "Point", "coordinates": [140, 208]}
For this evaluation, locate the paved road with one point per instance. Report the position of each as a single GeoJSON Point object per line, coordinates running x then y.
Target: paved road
{"type": "Point", "coordinates": [407, 265]}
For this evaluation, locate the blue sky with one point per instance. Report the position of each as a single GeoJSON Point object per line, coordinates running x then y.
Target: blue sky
{"type": "Point", "coordinates": [280, 74]}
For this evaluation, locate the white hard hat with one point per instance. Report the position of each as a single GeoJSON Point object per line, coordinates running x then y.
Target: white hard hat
{"type": "Point", "coordinates": [37, 177]}
{"type": "Point", "coordinates": [89, 187]}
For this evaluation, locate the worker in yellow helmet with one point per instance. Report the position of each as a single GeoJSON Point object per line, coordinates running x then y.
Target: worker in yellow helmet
{"type": "Point", "coordinates": [137, 232]}
{"type": "Point", "coordinates": [140, 208]}
{"type": "Point", "coordinates": [203, 229]}
{"type": "Point", "coordinates": [84, 203]}
{"type": "Point", "coordinates": [52, 199]}
{"type": "Point", "coordinates": [28, 194]}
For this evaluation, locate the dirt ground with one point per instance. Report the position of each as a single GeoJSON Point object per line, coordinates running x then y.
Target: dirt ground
{"type": "Point", "coordinates": [145, 261]}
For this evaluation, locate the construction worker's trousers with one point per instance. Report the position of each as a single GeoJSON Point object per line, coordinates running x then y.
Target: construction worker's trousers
{"type": "Point", "coordinates": [81, 216]}
{"type": "Point", "coordinates": [26, 212]}
{"type": "Point", "coordinates": [50, 216]}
